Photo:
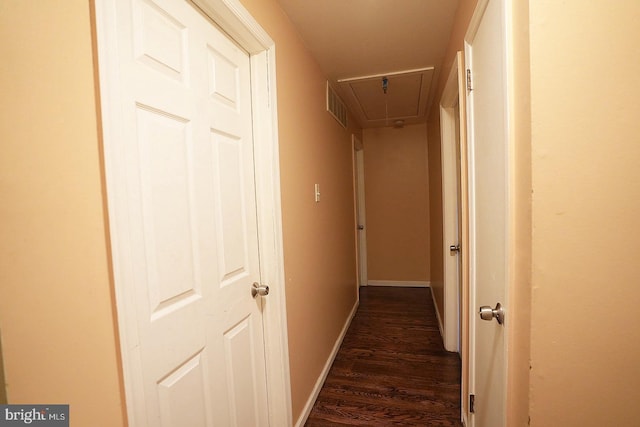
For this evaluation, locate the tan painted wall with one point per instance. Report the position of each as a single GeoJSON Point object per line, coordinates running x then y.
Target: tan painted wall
{"type": "Point", "coordinates": [319, 238]}
{"type": "Point", "coordinates": [585, 335]}
{"type": "Point", "coordinates": [56, 315]}
{"type": "Point", "coordinates": [397, 203]}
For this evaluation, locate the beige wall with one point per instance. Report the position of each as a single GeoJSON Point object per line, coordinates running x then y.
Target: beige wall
{"type": "Point", "coordinates": [585, 333]}
{"type": "Point", "coordinates": [319, 238]}
{"type": "Point", "coordinates": [397, 203]}
{"type": "Point", "coordinates": [56, 315]}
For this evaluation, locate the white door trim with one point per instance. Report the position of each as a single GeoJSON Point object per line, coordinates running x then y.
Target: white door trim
{"type": "Point", "coordinates": [450, 208]}
{"type": "Point", "coordinates": [235, 20]}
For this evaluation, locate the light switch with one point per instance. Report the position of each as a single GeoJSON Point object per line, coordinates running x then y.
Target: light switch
{"type": "Point", "coordinates": [317, 192]}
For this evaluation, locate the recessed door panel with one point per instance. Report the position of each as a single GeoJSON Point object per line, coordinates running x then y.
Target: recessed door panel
{"type": "Point", "coordinates": [164, 143]}
{"type": "Point", "coordinates": [182, 395]}
{"type": "Point", "coordinates": [239, 346]}
{"type": "Point", "coordinates": [223, 78]}
{"type": "Point", "coordinates": [160, 39]}
{"type": "Point", "coordinates": [233, 258]}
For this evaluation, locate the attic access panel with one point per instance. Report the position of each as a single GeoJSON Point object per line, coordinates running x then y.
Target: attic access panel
{"type": "Point", "coordinates": [405, 99]}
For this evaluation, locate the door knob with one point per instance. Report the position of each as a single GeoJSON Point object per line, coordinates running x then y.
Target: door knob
{"type": "Point", "coordinates": [360, 227]}
{"type": "Point", "coordinates": [454, 248]}
{"type": "Point", "coordinates": [258, 289]}
{"type": "Point", "coordinates": [488, 313]}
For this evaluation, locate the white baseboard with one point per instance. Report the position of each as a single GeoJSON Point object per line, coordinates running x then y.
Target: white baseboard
{"type": "Point", "coordinates": [399, 283]}
{"type": "Point", "coordinates": [327, 367]}
{"type": "Point", "coordinates": [440, 324]}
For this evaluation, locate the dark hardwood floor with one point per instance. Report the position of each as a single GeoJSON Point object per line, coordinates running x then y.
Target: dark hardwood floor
{"type": "Point", "coordinates": [392, 368]}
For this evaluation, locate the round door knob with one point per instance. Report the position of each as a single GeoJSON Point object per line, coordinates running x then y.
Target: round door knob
{"type": "Point", "coordinates": [488, 313]}
{"type": "Point", "coordinates": [258, 289]}
{"type": "Point", "coordinates": [454, 248]}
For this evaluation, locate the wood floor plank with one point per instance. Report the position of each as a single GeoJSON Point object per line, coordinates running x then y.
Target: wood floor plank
{"type": "Point", "coordinates": [392, 368]}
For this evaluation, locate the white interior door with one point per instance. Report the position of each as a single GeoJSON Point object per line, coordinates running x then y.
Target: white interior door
{"type": "Point", "coordinates": [360, 213]}
{"type": "Point", "coordinates": [182, 192]}
{"type": "Point", "coordinates": [487, 113]}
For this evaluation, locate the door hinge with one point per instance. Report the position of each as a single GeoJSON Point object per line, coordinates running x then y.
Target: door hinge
{"type": "Point", "coordinates": [469, 88]}
{"type": "Point", "coordinates": [472, 403]}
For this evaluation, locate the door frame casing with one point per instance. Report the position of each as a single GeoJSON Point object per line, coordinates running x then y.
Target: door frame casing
{"type": "Point", "coordinates": [238, 23]}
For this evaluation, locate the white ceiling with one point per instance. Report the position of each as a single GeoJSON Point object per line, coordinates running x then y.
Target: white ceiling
{"type": "Point", "coordinates": [362, 38]}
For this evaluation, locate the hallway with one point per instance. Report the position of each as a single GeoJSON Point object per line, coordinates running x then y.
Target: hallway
{"type": "Point", "coordinates": [392, 368]}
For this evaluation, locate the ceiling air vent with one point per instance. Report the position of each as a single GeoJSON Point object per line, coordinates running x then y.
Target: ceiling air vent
{"type": "Point", "coordinates": [336, 107]}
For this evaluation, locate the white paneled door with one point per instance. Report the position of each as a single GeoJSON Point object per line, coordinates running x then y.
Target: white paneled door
{"type": "Point", "coordinates": [181, 186]}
